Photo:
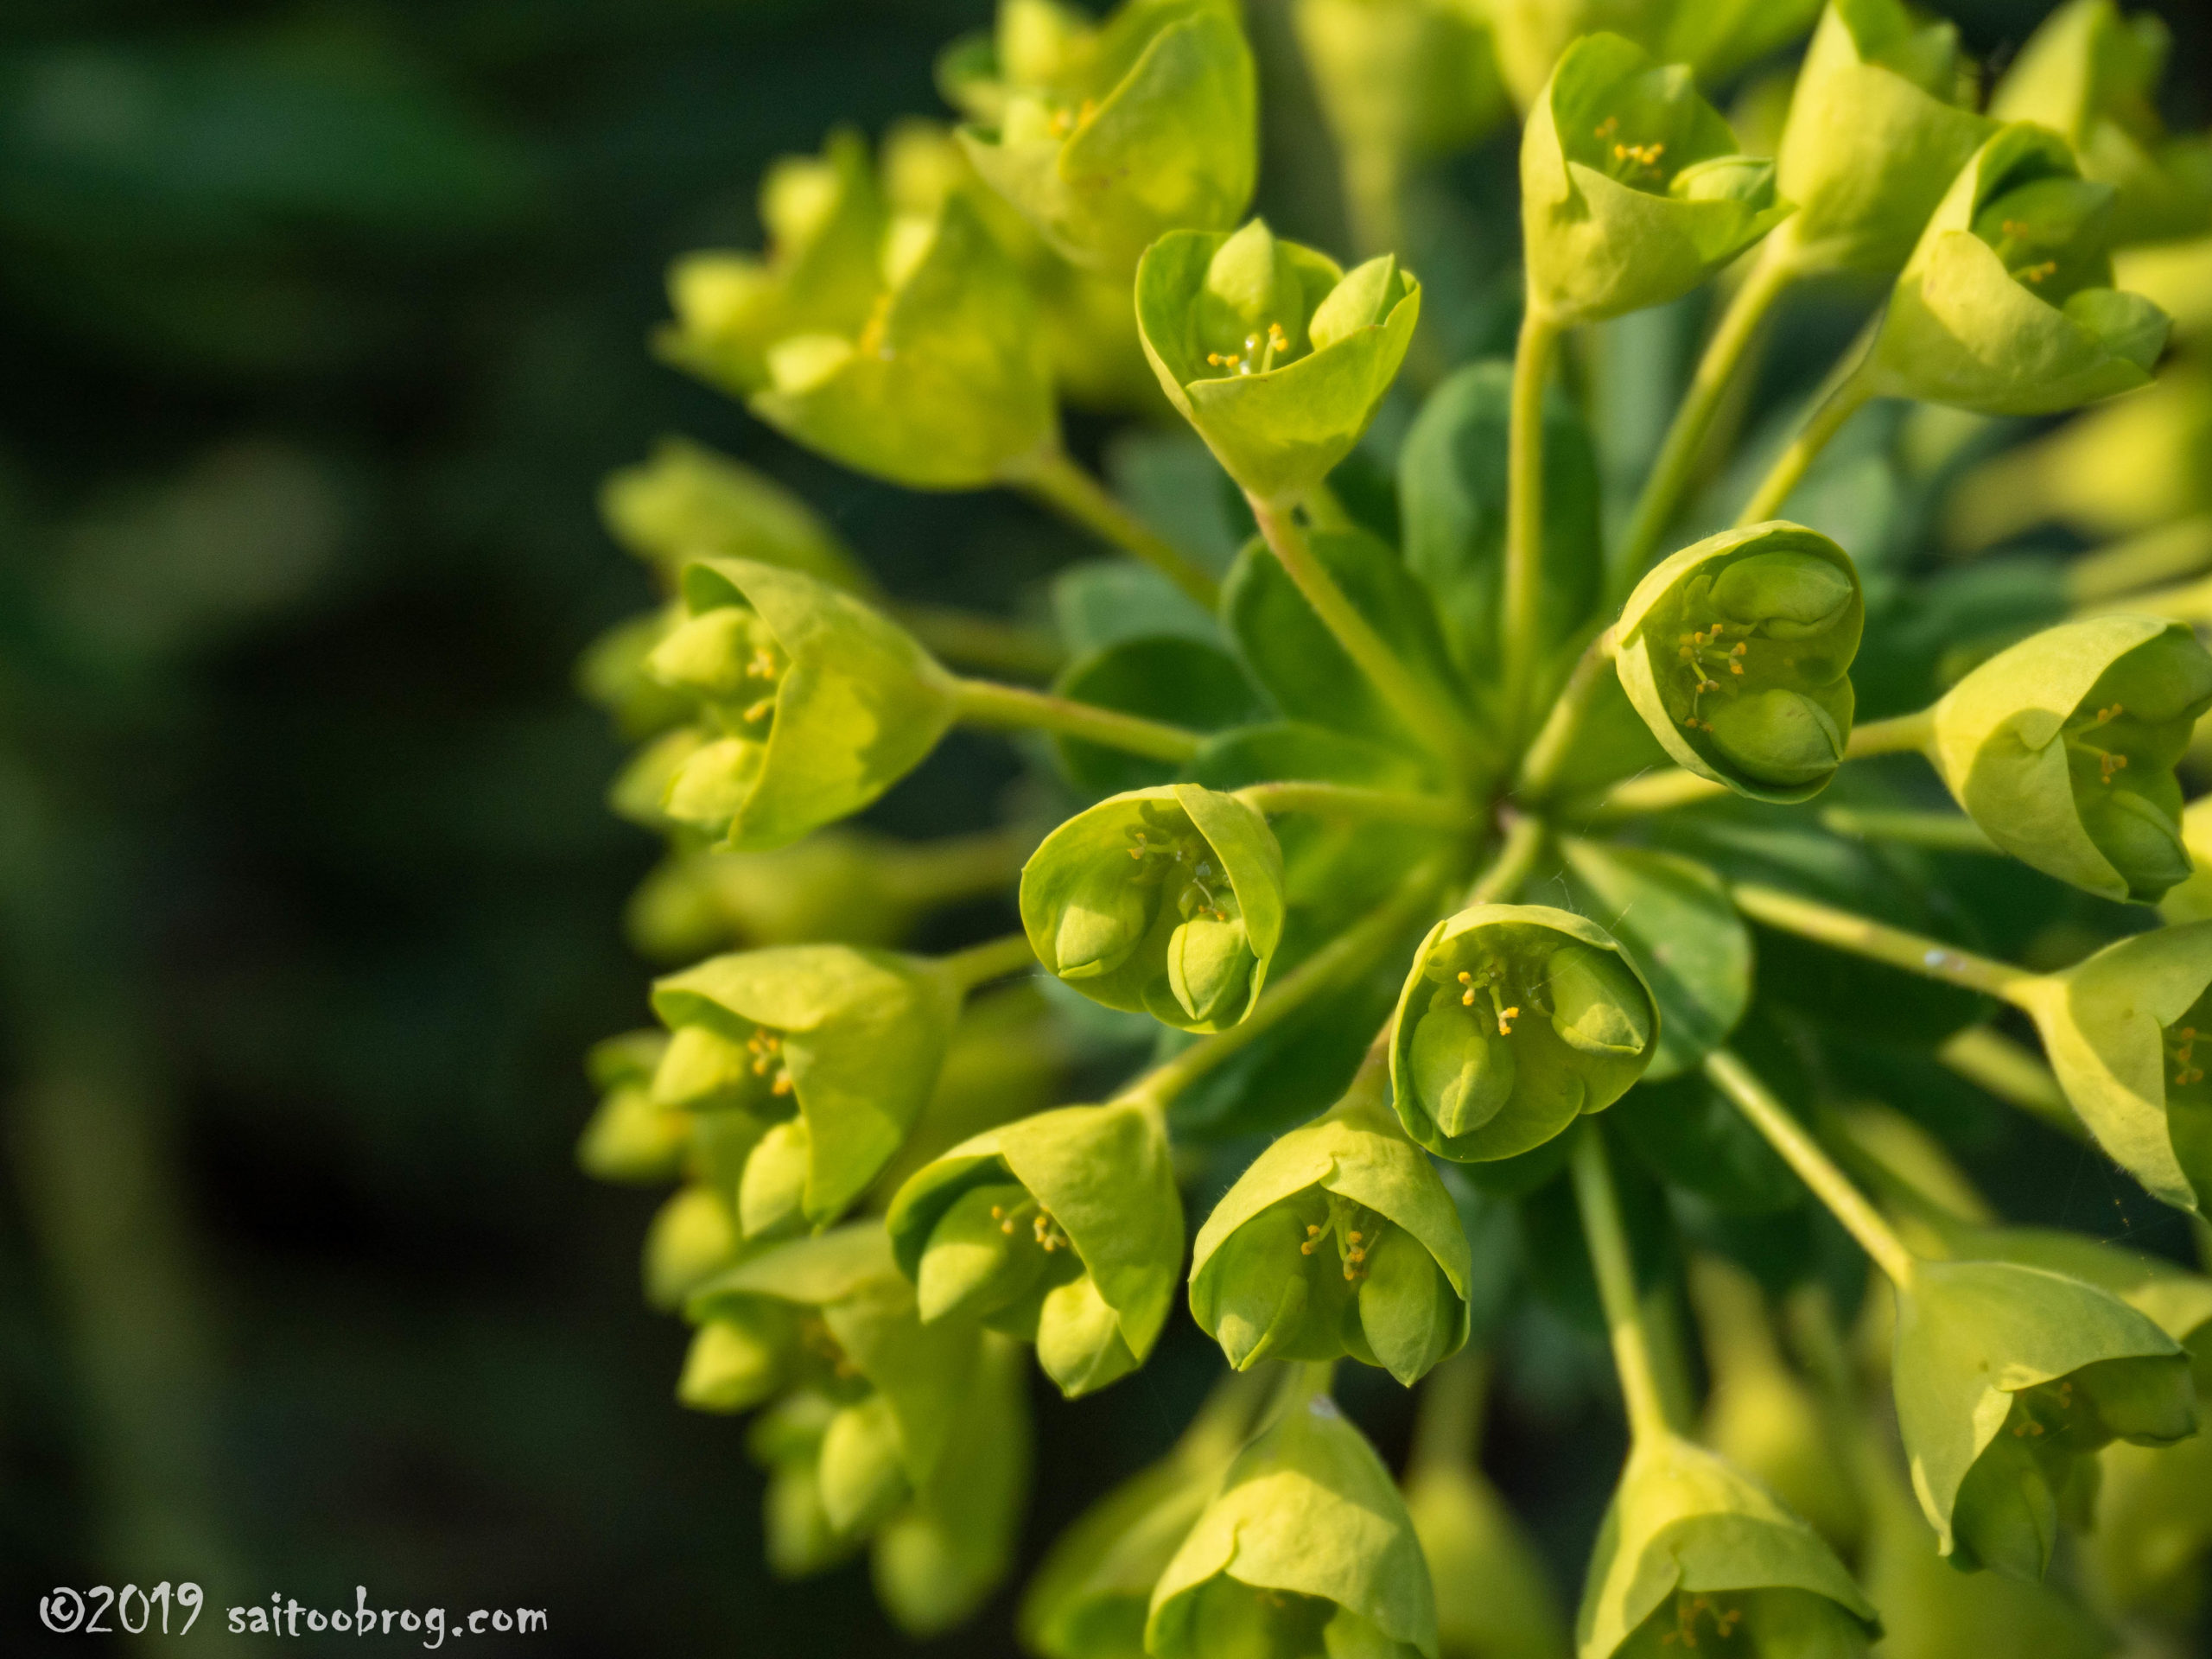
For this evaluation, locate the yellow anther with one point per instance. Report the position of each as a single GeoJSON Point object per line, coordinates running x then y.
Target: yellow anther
{"type": "Point", "coordinates": [782, 1084]}
{"type": "Point", "coordinates": [2112, 713]}
{"type": "Point", "coordinates": [2109, 763]}
{"type": "Point", "coordinates": [760, 710]}
{"type": "Point", "coordinates": [1505, 1019]}
{"type": "Point", "coordinates": [1739, 648]}
{"type": "Point", "coordinates": [1735, 668]}
{"type": "Point", "coordinates": [1608, 127]}
{"type": "Point", "coordinates": [1352, 1238]}
{"type": "Point", "coordinates": [2014, 228]}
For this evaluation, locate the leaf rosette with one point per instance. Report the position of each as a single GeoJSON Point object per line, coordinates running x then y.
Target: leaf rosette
{"type": "Point", "coordinates": [1694, 1552]}
{"type": "Point", "coordinates": [1305, 1548]}
{"type": "Point", "coordinates": [1064, 1229]}
{"type": "Point", "coordinates": [1632, 190]}
{"type": "Point", "coordinates": [1514, 1020]}
{"type": "Point", "coordinates": [2008, 1380]}
{"type": "Point", "coordinates": [2062, 748]}
{"type": "Point", "coordinates": [1738, 651]}
{"type": "Point", "coordinates": [1274, 354]}
{"type": "Point", "coordinates": [1166, 901]}
{"type": "Point", "coordinates": [2006, 305]}
{"type": "Point", "coordinates": [835, 1049]}
{"type": "Point", "coordinates": [1106, 136]}
{"type": "Point", "coordinates": [1340, 1238]}
{"type": "Point", "coordinates": [811, 705]}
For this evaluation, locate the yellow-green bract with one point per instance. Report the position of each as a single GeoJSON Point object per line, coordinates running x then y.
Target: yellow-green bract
{"type": "Point", "coordinates": [1737, 651]}
{"type": "Point", "coordinates": [1632, 192]}
{"type": "Point", "coordinates": [1064, 1229]}
{"type": "Point", "coordinates": [1276, 356]}
{"type": "Point", "coordinates": [1338, 1239]}
{"type": "Point", "coordinates": [1167, 901]}
{"type": "Point", "coordinates": [1513, 1021]}
{"type": "Point", "coordinates": [2063, 748]}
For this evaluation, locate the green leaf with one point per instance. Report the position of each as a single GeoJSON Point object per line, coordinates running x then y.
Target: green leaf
{"type": "Point", "coordinates": [1183, 681]}
{"type": "Point", "coordinates": [1101, 602]}
{"type": "Point", "coordinates": [1690, 1134]}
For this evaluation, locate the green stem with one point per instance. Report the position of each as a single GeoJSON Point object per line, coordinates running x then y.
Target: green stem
{"type": "Point", "coordinates": [2012, 1072]}
{"type": "Point", "coordinates": [1847, 398]}
{"type": "Point", "coordinates": [979, 964]}
{"type": "Point", "coordinates": [1862, 936]}
{"type": "Point", "coordinates": [1058, 482]}
{"type": "Point", "coordinates": [1431, 719]}
{"type": "Point", "coordinates": [1554, 740]}
{"type": "Point", "coordinates": [970, 639]}
{"type": "Point", "coordinates": [1814, 1168]}
{"type": "Point", "coordinates": [1517, 856]}
{"type": "Point", "coordinates": [1941, 832]}
{"type": "Point", "coordinates": [2165, 555]}
{"type": "Point", "coordinates": [929, 873]}
{"type": "Point", "coordinates": [1609, 1254]}
{"type": "Point", "coordinates": [1015, 707]}
{"type": "Point", "coordinates": [1643, 795]}
{"type": "Point", "coordinates": [1350, 950]}
{"type": "Point", "coordinates": [1351, 801]}
{"type": "Point", "coordinates": [1448, 1427]}
{"type": "Point", "coordinates": [1900, 735]}
{"type": "Point", "coordinates": [1522, 648]}
{"type": "Point", "coordinates": [1769, 277]}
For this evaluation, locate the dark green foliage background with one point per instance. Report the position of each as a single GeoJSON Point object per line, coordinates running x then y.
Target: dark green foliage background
{"type": "Point", "coordinates": [308, 904]}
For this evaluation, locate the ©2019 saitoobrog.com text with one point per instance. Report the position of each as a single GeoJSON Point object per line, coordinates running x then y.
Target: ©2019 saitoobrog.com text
{"type": "Point", "coordinates": [165, 1610]}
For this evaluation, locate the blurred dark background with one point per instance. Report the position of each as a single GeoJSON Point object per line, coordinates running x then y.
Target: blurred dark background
{"type": "Point", "coordinates": [322, 320]}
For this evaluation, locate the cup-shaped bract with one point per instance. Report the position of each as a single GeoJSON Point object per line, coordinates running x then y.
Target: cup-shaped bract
{"type": "Point", "coordinates": [1107, 136]}
{"type": "Point", "coordinates": [1493, 1594]}
{"type": "Point", "coordinates": [1307, 1549]}
{"type": "Point", "coordinates": [686, 502]}
{"type": "Point", "coordinates": [2091, 75]}
{"type": "Point", "coordinates": [1064, 1229]}
{"type": "Point", "coordinates": [1166, 901]}
{"type": "Point", "coordinates": [1880, 123]}
{"type": "Point", "coordinates": [1632, 190]}
{"type": "Point", "coordinates": [2062, 748]}
{"type": "Point", "coordinates": [2121, 1029]}
{"type": "Point", "coordinates": [2008, 1380]}
{"type": "Point", "coordinates": [1516, 1020]}
{"type": "Point", "coordinates": [1274, 354]}
{"type": "Point", "coordinates": [810, 704]}
{"type": "Point", "coordinates": [1694, 1551]}
{"type": "Point", "coordinates": [1400, 79]}
{"type": "Point", "coordinates": [839, 1047]}
{"type": "Point", "coordinates": [630, 1137]}
{"type": "Point", "coordinates": [2006, 305]}
{"type": "Point", "coordinates": [1340, 1238]}
{"type": "Point", "coordinates": [1737, 651]}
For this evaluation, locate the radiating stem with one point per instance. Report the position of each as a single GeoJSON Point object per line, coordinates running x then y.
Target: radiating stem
{"type": "Point", "coordinates": [1448, 1427]}
{"type": "Point", "coordinates": [1941, 832]}
{"type": "Point", "coordinates": [1609, 1254]}
{"type": "Point", "coordinates": [979, 964]}
{"type": "Point", "coordinates": [1900, 735]}
{"type": "Point", "coordinates": [1422, 706]}
{"type": "Point", "coordinates": [1058, 482]}
{"type": "Point", "coordinates": [928, 874]}
{"type": "Point", "coordinates": [1813, 1167]}
{"type": "Point", "coordinates": [1770, 275]}
{"type": "Point", "coordinates": [1862, 936]}
{"type": "Point", "coordinates": [1554, 740]}
{"type": "Point", "coordinates": [2167, 554]}
{"type": "Point", "coordinates": [2016, 1075]}
{"type": "Point", "coordinates": [1643, 795]}
{"type": "Point", "coordinates": [1015, 707]}
{"type": "Point", "coordinates": [1351, 801]}
{"type": "Point", "coordinates": [1517, 856]}
{"type": "Point", "coordinates": [1845, 399]}
{"type": "Point", "coordinates": [1522, 648]}
{"type": "Point", "coordinates": [970, 639]}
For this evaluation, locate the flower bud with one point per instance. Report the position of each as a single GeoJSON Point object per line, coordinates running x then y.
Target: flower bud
{"type": "Point", "coordinates": [686, 502]}
{"type": "Point", "coordinates": [2009, 1379]}
{"type": "Point", "coordinates": [734, 1364]}
{"type": "Point", "coordinates": [2006, 305]}
{"type": "Point", "coordinates": [612, 675]}
{"type": "Point", "coordinates": [1275, 355]}
{"type": "Point", "coordinates": [787, 1440]}
{"type": "Point", "coordinates": [1880, 122]}
{"type": "Point", "coordinates": [1514, 1020]}
{"type": "Point", "coordinates": [1694, 1551]}
{"type": "Point", "coordinates": [631, 1137]}
{"type": "Point", "coordinates": [1492, 1591]}
{"type": "Point", "coordinates": [1738, 651]}
{"type": "Point", "coordinates": [2042, 742]}
{"type": "Point", "coordinates": [810, 704]}
{"type": "Point", "coordinates": [1339, 1239]}
{"type": "Point", "coordinates": [848, 1041]}
{"type": "Point", "coordinates": [862, 1475]}
{"type": "Point", "coordinates": [1167, 901]}
{"type": "Point", "coordinates": [1307, 1549]}
{"type": "Point", "coordinates": [692, 1237]}
{"type": "Point", "coordinates": [1084, 1203]}
{"type": "Point", "coordinates": [1631, 188]}
{"type": "Point", "coordinates": [1108, 136]}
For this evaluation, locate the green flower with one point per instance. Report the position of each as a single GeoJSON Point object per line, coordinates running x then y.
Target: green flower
{"type": "Point", "coordinates": [2063, 748]}
{"type": "Point", "coordinates": [1167, 901]}
{"type": "Point", "coordinates": [1399, 80]}
{"type": "Point", "coordinates": [1276, 356]}
{"type": "Point", "coordinates": [2008, 1380]}
{"type": "Point", "coordinates": [1305, 1549]}
{"type": "Point", "coordinates": [1737, 651]}
{"type": "Point", "coordinates": [629, 1138]}
{"type": "Point", "coordinates": [1514, 1020]}
{"type": "Point", "coordinates": [687, 502]}
{"type": "Point", "coordinates": [1632, 192]}
{"type": "Point", "coordinates": [2092, 76]}
{"type": "Point", "coordinates": [2121, 1030]}
{"type": "Point", "coordinates": [811, 705]}
{"type": "Point", "coordinates": [1492, 1591]}
{"type": "Point", "coordinates": [1064, 1229]}
{"type": "Point", "coordinates": [836, 1048]}
{"type": "Point", "coordinates": [1880, 123]}
{"type": "Point", "coordinates": [1339, 1239]}
{"type": "Point", "coordinates": [692, 1237]}
{"type": "Point", "coordinates": [2006, 305]}
{"type": "Point", "coordinates": [1108, 136]}
{"type": "Point", "coordinates": [1694, 1551]}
